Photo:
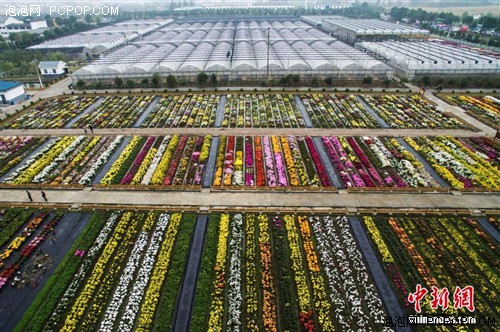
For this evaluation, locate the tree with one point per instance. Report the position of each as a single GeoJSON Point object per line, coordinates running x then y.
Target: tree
{"type": "Point", "coordinates": [129, 84]}
{"type": "Point", "coordinates": [213, 80]}
{"type": "Point", "coordinates": [50, 22]}
{"type": "Point", "coordinates": [118, 82]}
{"type": "Point", "coordinates": [426, 80]}
{"type": "Point", "coordinates": [80, 84]}
{"type": "Point", "coordinates": [314, 82]}
{"type": "Point", "coordinates": [171, 81]}
{"type": "Point", "coordinates": [202, 78]}
{"type": "Point", "coordinates": [386, 82]}
{"type": "Point", "coordinates": [88, 18]}
{"type": "Point", "coordinates": [329, 81]}
{"type": "Point", "coordinates": [368, 80]}
{"type": "Point", "coordinates": [156, 79]}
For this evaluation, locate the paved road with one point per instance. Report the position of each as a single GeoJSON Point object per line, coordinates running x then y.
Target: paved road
{"type": "Point", "coordinates": [248, 132]}
{"type": "Point", "coordinates": [237, 199]}
{"type": "Point", "coordinates": [53, 90]}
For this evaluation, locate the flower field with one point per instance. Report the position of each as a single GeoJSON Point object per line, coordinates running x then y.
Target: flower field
{"type": "Point", "coordinates": [337, 111]}
{"type": "Point", "coordinates": [486, 109]}
{"type": "Point", "coordinates": [439, 252]}
{"type": "Point", "coordinates": [261, 111]}
{"type": "Point", "coordinates": [65, 160]}
{"type": "Point", "coordinates": [161, 160]}
{"type": "Point", "coordinates": [53, 113]}
{"type": "Point", "coordinates": [115, 112]}
{"type": "Point", "coordinates": [14, 149]}
{"type": "Point", "coordinates": [269, 161]}
{"type": "Point", "coordinates": [122, 274]}
{"type": "Point", "coordinates": [277, 273]}
{"type": "Point", "coordinates": [401, 111]}
{"type": "Point", "coordinates": [462, 162]}
{"type": "Point", "coordinates": [375, 162]}
{"type": "Point", "coordinates": [183, 111]}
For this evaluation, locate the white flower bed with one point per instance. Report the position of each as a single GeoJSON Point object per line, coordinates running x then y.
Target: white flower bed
{"type": "Point", "coordinates": [103, 158]}
{"type": "Point", "coordinates": [122, 290]}
{"type": "Point", "coordinates": [346, 273]}
{"type": "Point", "coordinates": [30, 161]}
{"type": "Point", "coordinates": [156, 160]}
{"type": "Point", "coordinates": [142, 280]}
{"type": "Point", "coordinates": [238, 178]}
{"type": "Point", "coordinates": [234, 281]}
{"type": "Point", "coordinates": [40, 177]}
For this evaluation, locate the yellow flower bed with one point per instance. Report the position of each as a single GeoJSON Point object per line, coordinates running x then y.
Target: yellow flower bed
{"type": "Point", "coordinates": [303, 295]}
{"type": "Point", "coordinates": [78, 309]}
{"type": "Point", "coordinates": [321, 299]}
{"type": "Point", "coordinates": [217, 306]}
{"type": "Point", "coordinates": [119, 162]}
{"type": "Point", "coordinates": [152, 295]}
{"type": "Point", "coordinates": [28, 174]}
{"type": "Point", "coordinates": [379, 241]}
{"type": "Point", "coordinates": [162, 168]}
{"type": "Point", "coordinates": [144, 166]}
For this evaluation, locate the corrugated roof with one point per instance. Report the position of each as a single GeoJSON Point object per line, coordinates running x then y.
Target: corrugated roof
{"type": "Point", "coordinates": [7, 85]}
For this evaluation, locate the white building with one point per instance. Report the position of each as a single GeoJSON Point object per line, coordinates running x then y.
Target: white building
{"type": "Point", "coordinates": [9, 24]}
{"type": "Point", "coordinates": [51, 68]}
{"type": "Point", "coordinates": [11, 92]}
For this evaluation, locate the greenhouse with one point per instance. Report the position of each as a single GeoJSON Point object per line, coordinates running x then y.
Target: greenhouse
{"type": "Point", "coordinates": [236, 50]}
{"type": "Point", "coordinates": [106, 38]}
{"type": "Point", "coordinates": [414, 59]}
{"type": "Point", "coordinates": [355, 30]}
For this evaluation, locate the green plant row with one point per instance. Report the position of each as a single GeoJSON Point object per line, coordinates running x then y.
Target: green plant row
{"type": "Point", "coordinates": [206, 274]}
{"type": "Point", "coordinates": [165, 314]}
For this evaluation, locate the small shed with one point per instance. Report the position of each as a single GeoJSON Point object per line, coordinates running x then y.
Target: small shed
{"type": "Point", "coordinates": [11, 92]}
{"type": "Point", "coordinates": [52, 68]}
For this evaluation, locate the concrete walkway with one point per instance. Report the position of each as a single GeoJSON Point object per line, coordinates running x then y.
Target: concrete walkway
{"type": "Point", "coordinates": [457, 111]}
{"type": "Point", "coordinates": [249, 132]}
{"type": "Point", "coordinates": [257, 199]}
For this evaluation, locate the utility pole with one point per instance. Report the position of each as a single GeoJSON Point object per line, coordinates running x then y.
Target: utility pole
{"type": "Point", "coordinates": [38, 73]}
{"type": "Point", "coordinates": [268, 45]}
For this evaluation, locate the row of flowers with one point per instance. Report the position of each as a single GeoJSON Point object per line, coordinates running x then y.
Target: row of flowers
{"type": "Point", "coordinates": [437, 252]}
{"type": "Point", "coordinates": [269, 161]}
{"type": "Point", "coordinates": [171, 111]}
{"type": "Point", "coordinates": [402, 111]}
{"type": "Point", "coordinates": [158, 160]}
{"type": "Point", "coordinates": [375, 162]}
{"type": "Point", "coordinates": [53, 113]}
{"type": "Point", "coordinates": [298, 272]}
{"type": "Point", "coordinates": [462, 162]}
{"type": "Point", "coordinates": [120, 280]}
{"type": "Point", "coordinates": [71, 159]}
{"type": "Point", "coordinates": [337, 111]}
{"type": "Point", "coordinates": [261, 111]}
{"type": "Point", "coordinates": [13, 149]}
{"type": "Point", "coordinates": [115, 112]}
{"type": "Point", "coordinates": [14, 248]}
{"type": "Point", "coordinates": [485, 108]}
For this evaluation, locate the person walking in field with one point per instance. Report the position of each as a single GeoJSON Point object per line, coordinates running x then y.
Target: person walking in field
{"type": "Point", "coordinates": [29, 196]}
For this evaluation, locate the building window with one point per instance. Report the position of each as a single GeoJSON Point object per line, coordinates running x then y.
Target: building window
{"type": "Point", "coordinates": [54, 71]}
{"type": "Point", "coordinates": [45, 71]}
